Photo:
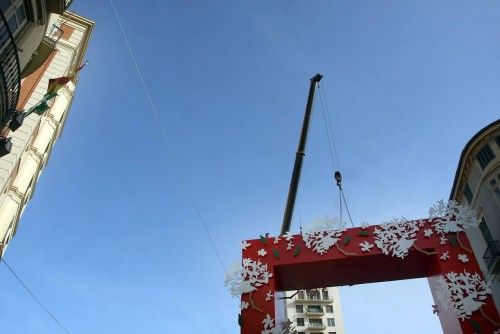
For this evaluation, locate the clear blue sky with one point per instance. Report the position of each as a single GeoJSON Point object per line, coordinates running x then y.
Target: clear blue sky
{"type": "Point", "coordinates": [110, 242]}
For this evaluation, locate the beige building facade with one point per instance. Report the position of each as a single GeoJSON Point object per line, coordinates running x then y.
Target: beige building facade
{"type": "Point", "coordinates": [68, 35]}
{"type": "Point", "coordinates": [315, 311]}
{"type": "Point", "coordinates": [477, 183]}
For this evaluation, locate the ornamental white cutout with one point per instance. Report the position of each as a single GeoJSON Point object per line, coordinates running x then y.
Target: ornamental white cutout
{"type": "Point", "coordinates": [247, 277]}
{"type": "Point", "coordinates": [276, 240]}
{"type": "Point", "coordinates": [462, 293]}
{"type": "Point", "coordinates": [428, 233]}
{"type": "Point", "coordinates": [289, 246]}
{"type": "Point", "coordinates": [443, 240]}
{"type": "Point", "coordinates": [288, 236]}
{"type": "Point", "coordinates": [445, 256]}
{"type": "Point", "coordinates": [245, 245]}
{"type": "Point", "coordinates": [463, 257]}
{"type": "Point", "coordinates": [283, 328]}
{"type": "Point", "coordinates": [396, 237]}
{"type": "Point", "coordinates": [365, 246]}
{"type": "Point", "coordinates": [244, 305]}
{"type": "Point", "coordinates": [323, 234]}
{"type": "Point", "coordinates": [262, 252]}
{"type": "Point", "coordinates": [452, 217]}
{"type": "Point", "coordinates": [269, 296]}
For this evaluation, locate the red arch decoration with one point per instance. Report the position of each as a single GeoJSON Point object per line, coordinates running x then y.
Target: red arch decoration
{"type": "Point", "coordinates": [402, 249]}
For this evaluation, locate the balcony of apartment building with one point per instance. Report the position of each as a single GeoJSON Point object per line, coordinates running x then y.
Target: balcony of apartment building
{"type": "Point", "coordinates": [313, 296]}
{"type": "Point", "coordinates": [315, 324]}
{"type": "Point", "coordinates": [24, 46]}
{"type": "Point", "coordinates": [10, 73]}
{"type": "Point", "coordinates": [312, 310]}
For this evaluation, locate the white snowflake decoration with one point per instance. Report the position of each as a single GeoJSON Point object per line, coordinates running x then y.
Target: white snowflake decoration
{"type": "Point", "coordinates": [288, 236]}
{"type": "Point", "coordinates": [262, 252]}
{"type": "Point", "coordinates": [284, 328]}
{"type": "Point", "coordinates": [289, 246]}
{"type": "Point", "coordinates": [269, 296]}
{"type": "Point", "coordinates": [463, 257]}
{"type": "Point", "coordinates": [276, 240]}
{"type": "Point", "coordinates": [462, 293]}
{"type": "Point", "coordinates": [443, 240]}
{"type": "Point", "coordinates": [244, 305]}
{"type": "Point", "coordinates": [365, 246]}
{"type": "Point", "coordinates": [244, 245]}
{"type": "Point", "coordinates": [268, 322]}
{"type": "Point", "coordinates": [428, 233]}
{"type": "Point", "coordinates": [247, 277]}
{"type": "Point", "coordinates": [323, 234]}
{"type": "Point", "coordinates": [452, 217]}
{"type": "Point", "coordinates": [396, 237]}
{"type": "Point", "coordinates": [445, 256]}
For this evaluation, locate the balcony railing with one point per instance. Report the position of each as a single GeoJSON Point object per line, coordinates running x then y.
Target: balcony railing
{"type": "Point", "coordinates": [315, 299]}
{"type": "Point", "coordinates": [492, 256]}
{"type": "Point", "coordinates": [314, 310]}
{"type": "Point", "coordinates": [10, 72]}
{"type": "Point", "coordinates": [316, 325]}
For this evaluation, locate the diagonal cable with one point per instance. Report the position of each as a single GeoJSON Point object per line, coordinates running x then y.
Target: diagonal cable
{"type": "Point", "coordinates": [165, 137]}
{"type": "Point", "coordinates": [33, 295]}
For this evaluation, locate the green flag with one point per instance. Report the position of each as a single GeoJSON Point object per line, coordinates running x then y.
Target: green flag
{"type": "Point", "coordinates": [41, 106]}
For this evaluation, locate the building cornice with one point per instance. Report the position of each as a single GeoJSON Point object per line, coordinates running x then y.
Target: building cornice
{"type": "Point", "coordinates": [466, 161]}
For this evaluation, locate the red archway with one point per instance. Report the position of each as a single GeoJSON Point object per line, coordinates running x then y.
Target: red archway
{"type": "Point", "coordinates": [436, 248]}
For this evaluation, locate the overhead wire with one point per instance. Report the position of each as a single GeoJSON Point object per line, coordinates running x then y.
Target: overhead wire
{"type": "Point", "coordinates": [25, 286]}
{"type": "Point", "coordinates": [165, 137]}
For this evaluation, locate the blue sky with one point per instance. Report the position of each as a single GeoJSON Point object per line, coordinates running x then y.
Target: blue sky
{"type": "Point", "coordinates": [111, 242]}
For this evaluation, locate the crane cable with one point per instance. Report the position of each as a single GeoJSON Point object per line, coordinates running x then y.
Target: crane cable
{"type": "Point", "coordinates": [333, 151]}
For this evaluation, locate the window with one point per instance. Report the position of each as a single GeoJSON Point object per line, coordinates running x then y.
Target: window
{"type": "Point", "coordinates": [300, 321]}
{"type": "Point", "coordinates": [485, 156]}
{"type": "Point", "coordinates": [299, 308]}
{"type": "Point", "coordinates": [301, 332]}
{"type": "Point", "coordinates": [497, 139]}
{"type": "Point", "coordinates": [313, 294]}
{"type": "Point", "coordinates": [14, 13]}
{"type": "Point", "coordinates": [325, 294]}
{"type": "Point", "coordinates": [468, 193]}
{"type": "Point", "coordinates": [329, 308]}
{"type": "Point", "coordinates": [300, 295]}
{"type": "Point", "coordinates": [332, 332]}
{"type": "Point", "coordinates": [330, 321]}
{"type": "Point", "coordinates": [485, 231]}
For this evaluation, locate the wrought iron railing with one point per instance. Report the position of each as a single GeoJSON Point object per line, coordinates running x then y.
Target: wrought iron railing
{"type": "Point", "coordinates": [492, 254]}
{"type": "Point", "coordinates": [10, 72]}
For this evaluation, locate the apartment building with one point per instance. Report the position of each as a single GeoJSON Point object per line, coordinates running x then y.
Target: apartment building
{"type": "Point", "coordinates": [26, 141]}
{"type": "Point", "coordinates": [477, 183]}
{"type": "Point", "coordinates": [316, 311]}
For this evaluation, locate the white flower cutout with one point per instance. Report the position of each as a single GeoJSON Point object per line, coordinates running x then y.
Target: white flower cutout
{"type": "Point", "coordinates": [244, 305]}
{"type": "Point", "coordinates": [365, 246]}
{"type": "Point", "coordinates": [245, 244]}
{"type": "Point", "coordinates": [269, 296]}
{"type": "Point", "coordinates": [276, 240]}
{"type": "Point", "coordinates": [428, 232]}
{"type": "Point", "coordinates": [262, 252]}
{"type": "Point", "coordinates": [268, 322]}
{"type": "Point", "coordinates": [288, 236]}
{"type": "Point", "coordinates": [463, 257]}
{"type": "Point", "coordinates": [445, 256]}
{"type": "Point", "coordinates": [442, 240]}
{"type": "Point", "coordinates": [289, 246]}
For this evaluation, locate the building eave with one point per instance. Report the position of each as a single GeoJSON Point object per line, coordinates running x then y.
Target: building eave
{"type": "Point", "coordinates": [468, 149]}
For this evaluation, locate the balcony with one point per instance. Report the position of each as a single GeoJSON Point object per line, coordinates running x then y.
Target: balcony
{"type": "Point", "coordinates": [492, 256]}
{"type": "Point", "coordinates": [10, 72]}
{"type": "Point", "coordinates": [316, 325]}
{"type": "Point", "coordinates": [318, 310]}
{"type": "Point", "coordinates": [313, 299]}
